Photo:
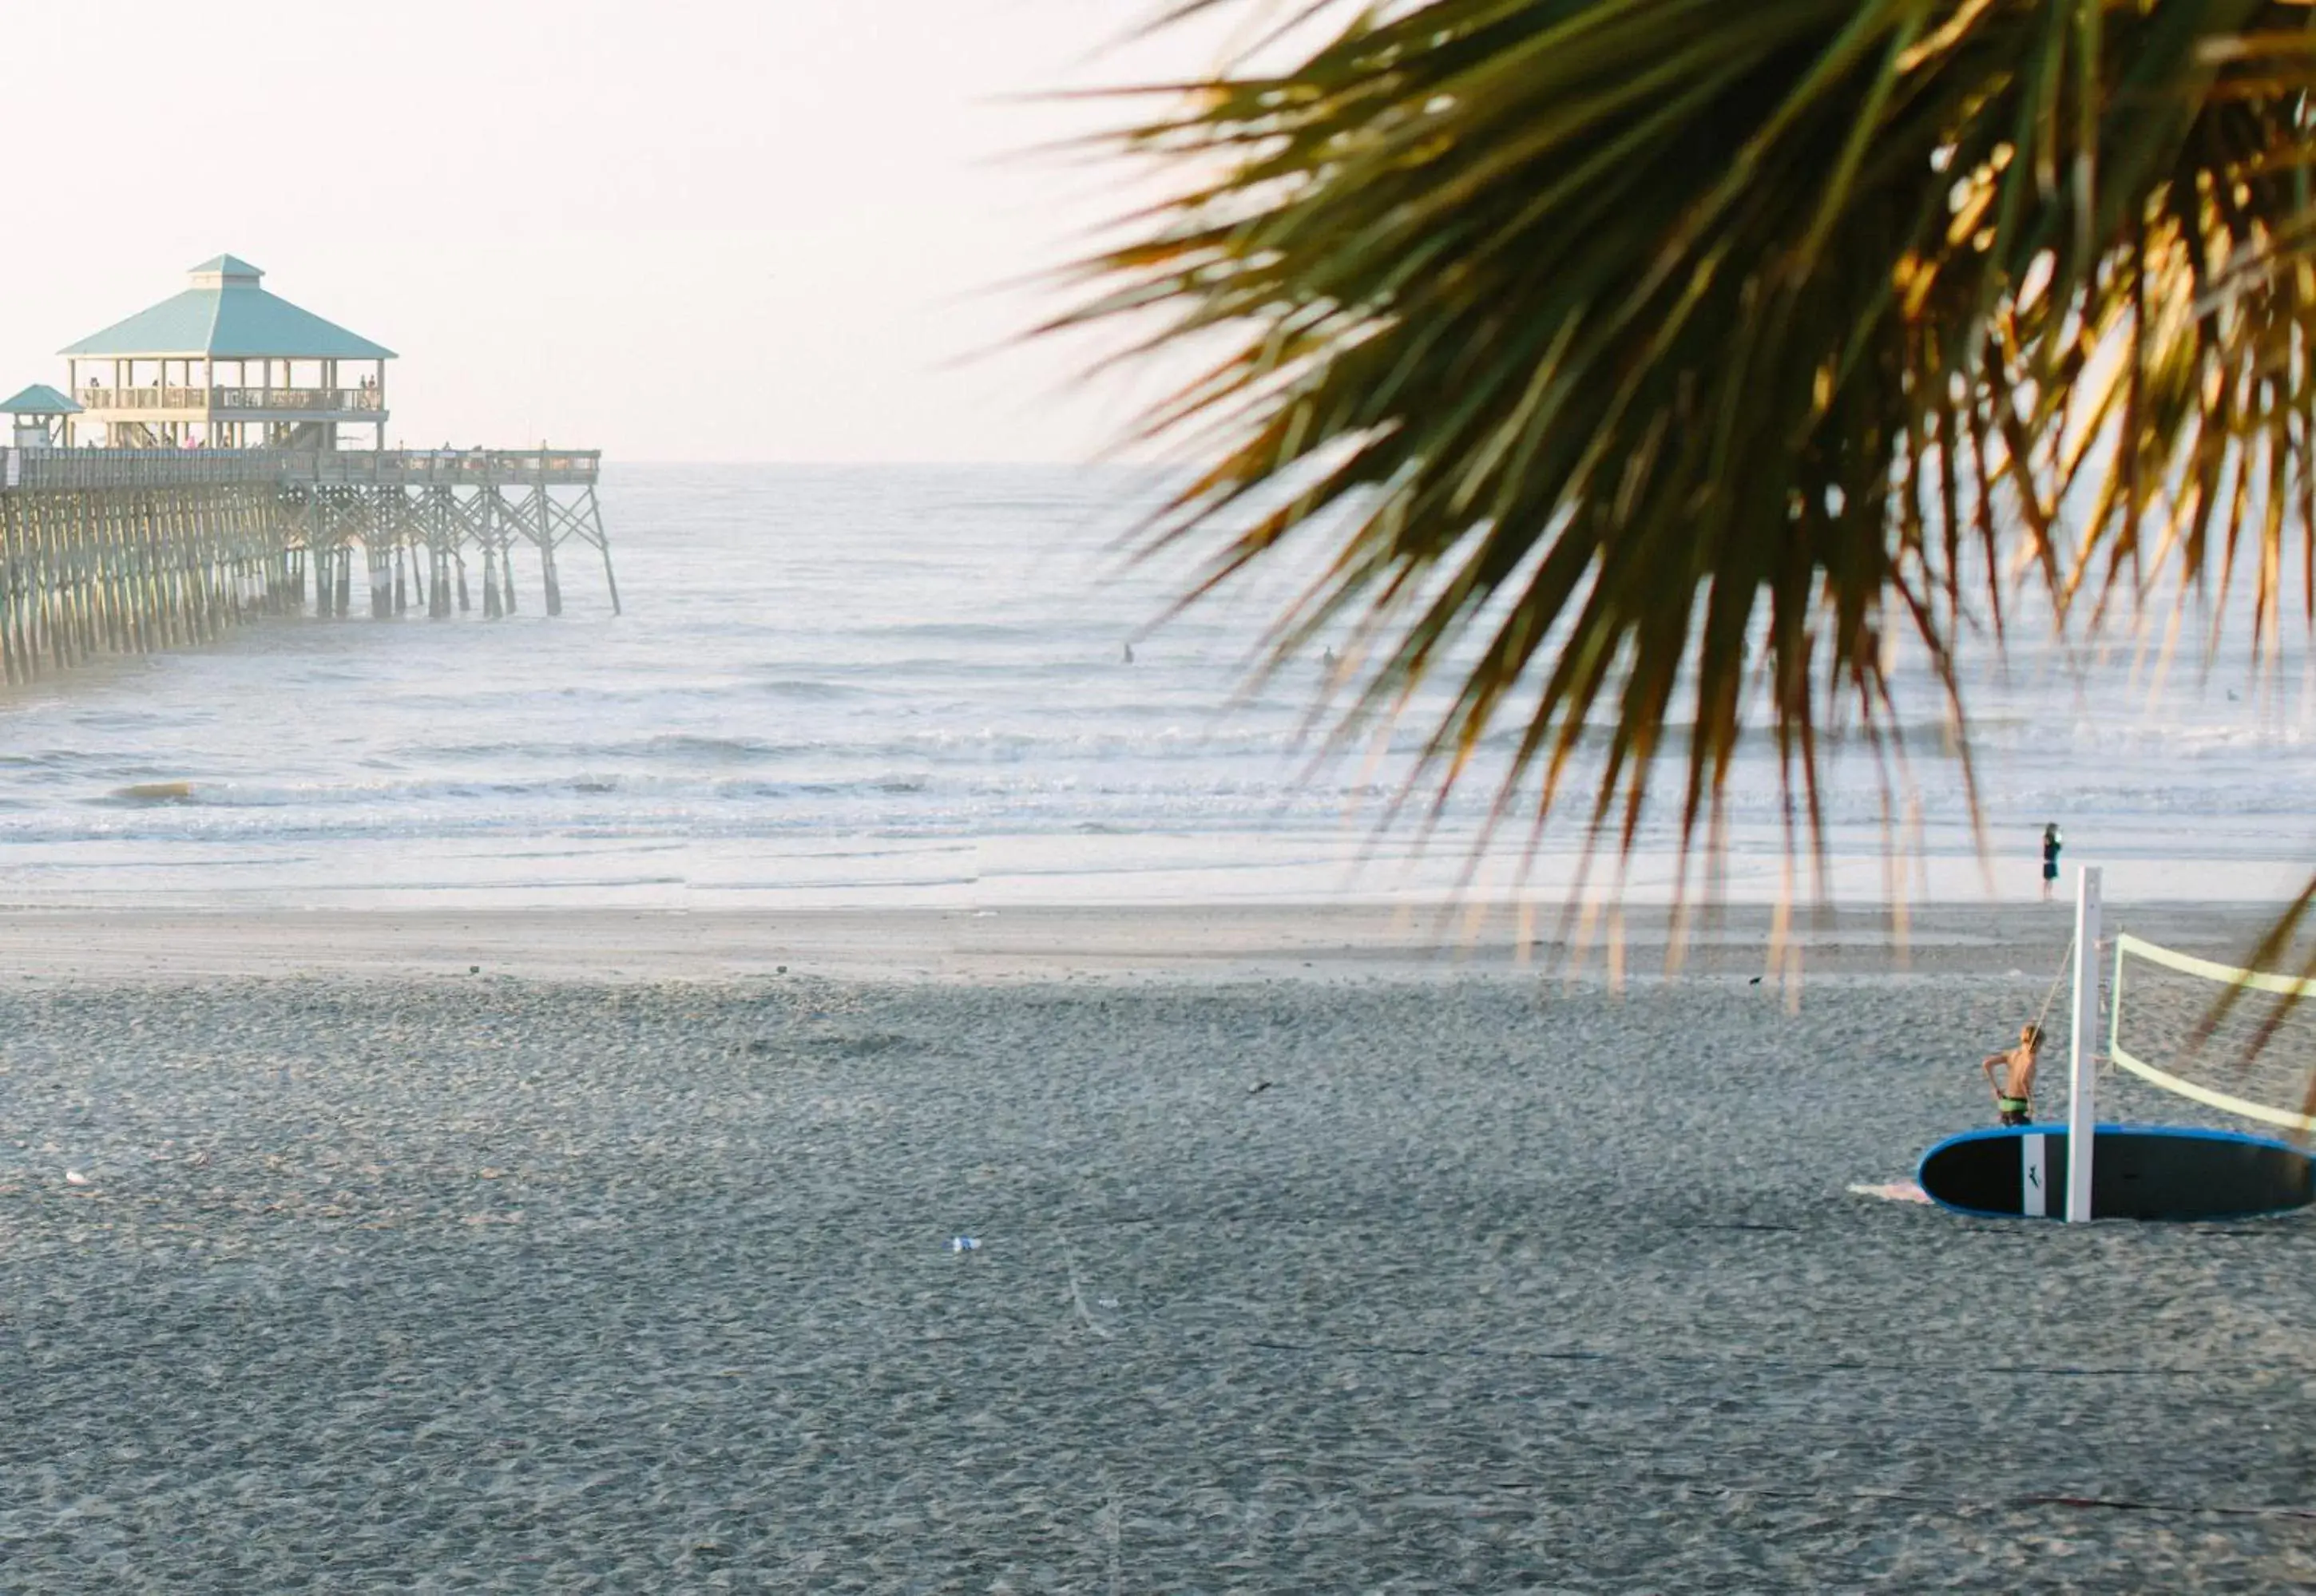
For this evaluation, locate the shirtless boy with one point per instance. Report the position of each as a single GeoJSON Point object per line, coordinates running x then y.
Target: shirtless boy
{"type": "Point", "coordinates": [2014, 1089]}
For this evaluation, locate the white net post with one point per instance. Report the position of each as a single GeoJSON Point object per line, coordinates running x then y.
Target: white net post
{"type": "Point", "coordinates": [2082, 1061]}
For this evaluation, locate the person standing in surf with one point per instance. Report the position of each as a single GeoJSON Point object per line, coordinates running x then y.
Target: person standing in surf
{"type": "Point", "coordinates": [2051, 846]}
{"type": "Point", "coordinates": [2014, 1089]}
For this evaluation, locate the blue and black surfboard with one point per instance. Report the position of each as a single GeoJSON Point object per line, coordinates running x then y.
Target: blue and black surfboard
{"type": "Point", "coordinates": [2138, 1171]}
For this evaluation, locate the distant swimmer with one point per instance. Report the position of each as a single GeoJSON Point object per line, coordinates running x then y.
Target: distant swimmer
{"type": "Point", "coordinates": [2052, 844]}
{"type": "Point", "coordinates": [2014, 1090]}
{"type": "Point", "coordinates": [1129, 653]}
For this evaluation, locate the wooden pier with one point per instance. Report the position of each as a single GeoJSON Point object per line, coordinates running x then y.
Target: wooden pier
{"type": "Point", "coordinates": [228, 487]}
{"type": "Point", "coordinates": [121, 551]}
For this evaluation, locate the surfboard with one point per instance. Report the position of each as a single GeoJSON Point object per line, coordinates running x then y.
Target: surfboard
{"type": "Point", "coordinates": [2138, 1171]}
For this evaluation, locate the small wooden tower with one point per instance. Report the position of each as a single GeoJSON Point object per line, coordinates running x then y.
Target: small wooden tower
{"type": "Point", "coordinates": [39, 418]}
{"type": "Point", "coordinates": [227, 365]}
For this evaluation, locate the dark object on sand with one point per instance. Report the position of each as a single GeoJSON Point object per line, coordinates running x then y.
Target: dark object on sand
{"type": "Point", "coordinates": [2140, 1172]}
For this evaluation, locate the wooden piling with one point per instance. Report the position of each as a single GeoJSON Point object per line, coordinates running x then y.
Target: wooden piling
{"type": "Point", "coordinates": [117, 551]}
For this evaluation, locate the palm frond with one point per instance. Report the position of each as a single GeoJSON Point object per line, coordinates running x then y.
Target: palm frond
{"type": "Point", "coordinates": [1621, 349]}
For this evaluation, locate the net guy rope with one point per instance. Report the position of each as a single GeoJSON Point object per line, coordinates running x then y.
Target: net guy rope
{"type": "Point", "coordinates": [2051, 993]}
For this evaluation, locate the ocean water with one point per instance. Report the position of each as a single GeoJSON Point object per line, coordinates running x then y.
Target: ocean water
{"type": "Point", "coordinates": [909, 686]}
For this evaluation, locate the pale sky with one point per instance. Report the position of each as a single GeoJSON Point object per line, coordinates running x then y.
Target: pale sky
{"type": "Point", "coordinates": [693, 230]}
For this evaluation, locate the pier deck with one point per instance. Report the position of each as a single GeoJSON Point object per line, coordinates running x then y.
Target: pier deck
{"type": "Point", "coordinates": [147, 468]}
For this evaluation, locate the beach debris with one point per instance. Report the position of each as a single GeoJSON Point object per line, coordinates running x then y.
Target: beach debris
{"type": "Point", "coordinates": [1901, 1191]}
{"type": "Point", "coordinates": [780, 969]}
{"type": "Point", "coordinates": [1259, 1086]}
{"type": "Point", "coordinates": [74, 1177]}
{"type": "Point", "coordinates": [1754, 983]}
{"type": "Point", "coordinates": [1077, 1291]}
{"type": "Point", "coordinates": [474, 970]}
{"type": "Point", "coordinates": [964, 1243]}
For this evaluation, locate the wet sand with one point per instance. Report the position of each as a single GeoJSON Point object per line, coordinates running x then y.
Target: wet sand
{"type": "Point", "coordinates": [626, 1265]}
{"type": "Point", "coordinates": [1231, 942]}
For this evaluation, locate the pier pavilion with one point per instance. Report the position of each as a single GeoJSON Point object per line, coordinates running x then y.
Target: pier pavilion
{"type": "Point", "coordinates": [229, 364]}
{"type": "Point", "coordinates": [243, 462]}
{"type": "Point", "coordinates": [38, 417]}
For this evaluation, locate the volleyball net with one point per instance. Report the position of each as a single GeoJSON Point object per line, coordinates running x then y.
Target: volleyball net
{"type": "Point", "coordinates": [2239, 1041]}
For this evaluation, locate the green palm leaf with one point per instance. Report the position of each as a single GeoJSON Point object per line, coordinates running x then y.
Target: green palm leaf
{"type": "Point", "coordinates": [1622, 350]}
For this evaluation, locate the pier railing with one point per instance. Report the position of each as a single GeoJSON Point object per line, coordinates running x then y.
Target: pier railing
{"type": "Point", "coordinates": [324, 401]}
{"type": "Point", "coordinates": [36, 468]}
{"type": "Point", "coordinates": [448, 467]}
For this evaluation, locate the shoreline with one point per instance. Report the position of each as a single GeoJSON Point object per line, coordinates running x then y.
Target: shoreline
{"type": "Point", "coordinates": [1197, 943]}
{"type": "Point", "coordinates": [815, 872]}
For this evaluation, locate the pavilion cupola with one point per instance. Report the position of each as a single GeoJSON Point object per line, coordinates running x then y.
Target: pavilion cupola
{"type": "Point", "coordinates": [226, 270]}
{"type": "Point", "coordinates": [229, 364]}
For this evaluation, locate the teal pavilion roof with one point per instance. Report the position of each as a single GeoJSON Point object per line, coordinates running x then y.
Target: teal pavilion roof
{"type": "Point", "coordinates": [225, 314]}
{"type": "Point", "coordinates": [39, 399]}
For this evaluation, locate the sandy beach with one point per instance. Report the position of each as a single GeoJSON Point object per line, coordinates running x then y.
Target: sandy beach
{"type": "Point", "coordinates": [1319, 1250]}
